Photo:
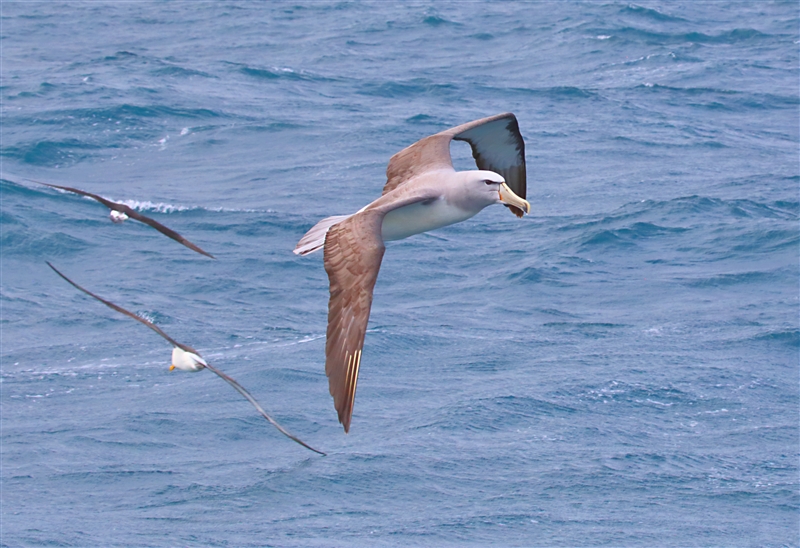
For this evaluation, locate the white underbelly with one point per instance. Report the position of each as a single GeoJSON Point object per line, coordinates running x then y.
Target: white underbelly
{"type": "Point", "coordinates": [421, 217]}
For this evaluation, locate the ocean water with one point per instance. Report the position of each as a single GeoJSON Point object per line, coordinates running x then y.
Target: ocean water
{"type": "Point", "coordinates": [619, 368]}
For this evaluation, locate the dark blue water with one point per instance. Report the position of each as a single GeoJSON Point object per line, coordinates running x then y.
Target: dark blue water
{"type": "Point", "coordinates": [619, 368]}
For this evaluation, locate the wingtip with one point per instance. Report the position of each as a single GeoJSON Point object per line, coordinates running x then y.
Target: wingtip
{"type": "Point", "coordinates": [345, 422]}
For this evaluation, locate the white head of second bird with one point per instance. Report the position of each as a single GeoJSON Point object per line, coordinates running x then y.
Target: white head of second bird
{"type": "Point", "coordinates": [186, 361]}
{"type": "Point", "coordinates": [117, 216]}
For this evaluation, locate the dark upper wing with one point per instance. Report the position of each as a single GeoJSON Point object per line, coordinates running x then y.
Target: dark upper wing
{"type": "Point", "coordinates": [353, 253]}
{"type": "Point", "coordinates": [108, 203]}
{"type": "Point", "coordinates": [133, 214]}
{"type": "Point", "coordinates": [497, 146]}
{"type": "Point", "coordinates": [162, 229]}
{"type": "Point", "coordinates": [121, 310]}
{"type": "Point", "coordinates": [239, 388]}
{"type": "Point", "coordinates": [496, 142]}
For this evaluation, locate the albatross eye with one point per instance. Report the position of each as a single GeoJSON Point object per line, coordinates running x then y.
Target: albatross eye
{"type": "Point", "coordinates": [489, 182]}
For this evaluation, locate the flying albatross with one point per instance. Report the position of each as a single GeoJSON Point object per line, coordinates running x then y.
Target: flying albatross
{"type": "Point", "coordinates": [120, 213]}
{"type": "Point", "coordinates": [186, 358]}
{"type": "Point", "coordinates": [423, 192]}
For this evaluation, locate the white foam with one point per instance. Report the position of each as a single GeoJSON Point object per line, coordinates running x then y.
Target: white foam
{"type": "Point", "coordinates": [159, 207]}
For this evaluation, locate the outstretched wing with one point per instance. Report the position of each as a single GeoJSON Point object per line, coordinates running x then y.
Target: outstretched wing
{"type": "Point", "coordinates": [496, 142]}
{"type": "Point", "coordinates": [133, 214]}
{"type": "Point", "coordinates": [353, 253]}
{"type": "Point", "coordinates": [163, 230]}
{"type": "Point", "coordinates": [108, 203]}
{"type": "Point", "coordinates": [239, 388]}
{"type": "Point", "coordinates": [121, 310]}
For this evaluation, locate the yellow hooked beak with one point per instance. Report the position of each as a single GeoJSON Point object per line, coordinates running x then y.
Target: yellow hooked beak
{"type": "Point", "coordinates": [519, 206]}
{"type": "Point", "coordinates": [171, 367]}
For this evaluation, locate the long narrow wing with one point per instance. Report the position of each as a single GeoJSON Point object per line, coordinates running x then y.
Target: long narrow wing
{"type": "Point", "coordinates": [353, 253]}
{"type": "Point", "coordinates": [496, 143]}
{"type": "Point", "coordinates": [164, 230]}
{"type": "Point", "coordinates": [121, 310]}
{"type": "Point", "coordinates": [239, 388]}
{"type": "Point", "coordinates": [133, 214]}
{"type": "Point", "coordinates": [108, 203]}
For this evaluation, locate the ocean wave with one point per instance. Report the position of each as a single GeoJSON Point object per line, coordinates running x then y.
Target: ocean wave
{"type": "Point", "coordinates": [627, 236]}
{"type": "Point", "coordinates": [24, 242]}
{"type": "Point", "coordinates": [408, 88]}
{"type": "Point", "coordinates": [634, 34]}
{"type": "Point", "coordinates": [565, 93]}
{"type": "Point", "coordinates": [721, 98]}
{"type": "Point", "coordinates": [740, 278]}
{"type": "Point", "coordinates": [436, 20]}
{"type": "Point", "coordinates": [548, 276]}
{"type": "Point", "coordinates": [53, 153]}
{"type": "Point", "coordinates": [590, 330]}
{"type": "Point", "coordinates": [636, 393]}
{"type": "Point", "coordinates": [495, 414]}
{"type": "Point", "coordinates": [790, 337]}
{"type": "Point", "coordinates": [651, 14]}
{"type": "Point", "coordinates": [156, 207]}
{"type": "Point", "coordinates": [281, 73]}
{"type": "Point", "coordinates": [685, 209]}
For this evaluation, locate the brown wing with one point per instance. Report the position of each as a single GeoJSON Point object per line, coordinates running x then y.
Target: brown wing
{"type": "Point", "coordinates": [496, 142]}
{"type": "Point", "coordinates": [128, 313]}
{"type": "Point", "coordinates": [239, 388]}
{"type": "Point", "coordinates": [162, 229]}
{"type": "Point", "coordinates": [353, 252]}
{"type": "Point", "coordinates": [133, 214]}
{"type": "Point", "coordinates": [432, 152]}
{"type": "Point", "coordinates": [108, 203]}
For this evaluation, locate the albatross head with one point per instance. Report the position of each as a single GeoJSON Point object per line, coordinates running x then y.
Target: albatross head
{"type": "Point", "coordinates": [491, 188]}
{"type": "Point", "coordinates": [186, 361]}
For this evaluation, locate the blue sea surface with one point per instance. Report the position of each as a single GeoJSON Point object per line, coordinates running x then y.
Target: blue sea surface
{"type": "Point", "coordinates": [619, 368]}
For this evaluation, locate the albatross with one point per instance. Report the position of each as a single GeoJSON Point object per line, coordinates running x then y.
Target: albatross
{"type": "Point", "coordinates": [120, 213]}
{"type": "Point", "coordinates": [423, 192]}
{"type": "Point", "coordinates": [186, 358]}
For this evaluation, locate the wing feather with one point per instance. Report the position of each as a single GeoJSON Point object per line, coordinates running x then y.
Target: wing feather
{"type": "Point", "coordinates": [432, 152]}
{"type": "Point", "coordinates": [353, 253]}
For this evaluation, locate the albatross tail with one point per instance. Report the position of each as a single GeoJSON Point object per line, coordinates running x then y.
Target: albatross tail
{"type": "Point", "coordinates": [314, 240]}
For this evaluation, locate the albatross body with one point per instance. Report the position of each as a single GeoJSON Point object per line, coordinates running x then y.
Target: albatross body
{"type": "Point", "coordinates": [186, 358]}
{"type": "Point", "coordinates": [119, 213]}
{"type": "Point", "coordinates": [423, 192]}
